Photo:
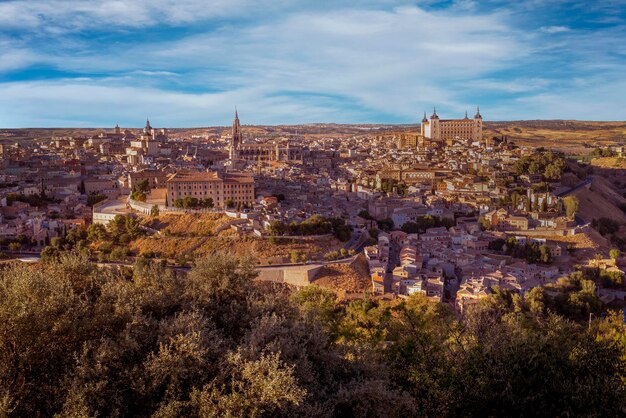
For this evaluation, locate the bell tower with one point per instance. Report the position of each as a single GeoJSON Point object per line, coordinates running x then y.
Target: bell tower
{"type": "Point", "coordinates": [478, 125]}
{"type": "Point", "coordinates": [236, 139]}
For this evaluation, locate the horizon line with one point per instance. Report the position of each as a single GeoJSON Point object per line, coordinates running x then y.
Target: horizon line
{"type": "Point", "coordinates": [317, 123]}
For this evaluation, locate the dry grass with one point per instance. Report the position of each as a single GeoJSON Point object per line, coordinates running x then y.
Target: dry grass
{"type": "Point", "coordinates": [568, 136]}
{"type": "Point", "coordinates": [345, 279]}
{"type": "Point", "coordinates": [600, 202]}
{"type": "Point", "coordinates": [189, 224]}
{"type": "Point", "coordinates": [266, 251]}
{"type": "Point", "coordinates": [171, 247]}
{"type": "Point", "coordinates": [609, 162]}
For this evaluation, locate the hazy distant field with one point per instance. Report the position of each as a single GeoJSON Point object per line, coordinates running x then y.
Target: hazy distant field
{"type": "Point", "coordinates": [567, 136]}
{"type": "Point", "coordinates": [575, 137]}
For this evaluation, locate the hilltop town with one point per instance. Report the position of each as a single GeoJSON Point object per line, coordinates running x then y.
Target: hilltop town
{"type": "Point", "coordinates": [449, 208]}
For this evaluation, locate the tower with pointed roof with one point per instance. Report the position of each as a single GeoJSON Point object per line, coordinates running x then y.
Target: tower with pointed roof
{"type": "Point", "coordinates": [236, 139]}
{"type": "Point", "coordinates": [435, 125]}
{"type": "Point", "coordinates": [425, 127]}
{"type": "Point", "coordinates": [478, 124]}
{"type": "Point", "coordinates": [147, 129]}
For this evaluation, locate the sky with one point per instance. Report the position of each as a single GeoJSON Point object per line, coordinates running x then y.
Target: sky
{"type": "Point", "coordinates": [188, 63]}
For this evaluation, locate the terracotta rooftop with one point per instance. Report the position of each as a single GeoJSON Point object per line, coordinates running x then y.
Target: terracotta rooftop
{"type": "Point", "coordinates": [211, 176]}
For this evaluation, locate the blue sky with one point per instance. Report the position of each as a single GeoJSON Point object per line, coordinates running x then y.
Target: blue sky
{"type": "Point", "coordinates": [188, 63]}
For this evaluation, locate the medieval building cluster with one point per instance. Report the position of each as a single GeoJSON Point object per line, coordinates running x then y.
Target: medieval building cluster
{"type": "Point", "coordinates": [429, 207]}
{"type": "Point", "coordinates": [254, 151]}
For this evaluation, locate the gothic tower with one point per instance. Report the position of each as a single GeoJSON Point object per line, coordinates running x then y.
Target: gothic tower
{"type": "Point", "coordinates": [236, 139]}
{"type": "Point", "coordinates": [425, 127]}
{"type": "Point", "coordinates": [478, 125]}
{"type": "Point", "coordinates": [435, 126]}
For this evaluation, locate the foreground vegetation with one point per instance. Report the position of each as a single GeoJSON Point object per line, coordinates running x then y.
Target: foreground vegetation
{"type": "Point", "coordinates": [79, 341]}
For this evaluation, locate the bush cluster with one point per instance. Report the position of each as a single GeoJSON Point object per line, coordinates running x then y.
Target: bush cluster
{"type": "Point", "coordinates": [78, 340]}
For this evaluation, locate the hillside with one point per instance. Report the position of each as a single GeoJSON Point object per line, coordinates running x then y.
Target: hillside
{"type": "Point", "coordinates": [198, 235]}
{"type": "Point", "coordinates": [609, 163]}
{"type": "Point", "coordinates": [569, 136]}
{"type": "Point", "coordinates": [345, 279]}
{"type": "Point", "coordinates": [188, 224]}
{"type": "Point", "coordinates": [600, 200]}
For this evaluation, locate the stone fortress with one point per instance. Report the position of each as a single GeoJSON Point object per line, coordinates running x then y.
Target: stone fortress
{"type": "Point", "coordinates": [448, 130]}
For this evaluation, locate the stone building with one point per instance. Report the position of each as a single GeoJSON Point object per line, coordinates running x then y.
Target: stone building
{"type": "Point", "coordinates": [254, 152]}
{"type": "Point", "coordinates": [238, 187]}
{"type": "Point", "coordinates": [448, 130]}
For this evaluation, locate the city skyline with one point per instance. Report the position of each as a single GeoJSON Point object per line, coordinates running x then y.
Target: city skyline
{"type": "Point", "coordinates": [186, 64]}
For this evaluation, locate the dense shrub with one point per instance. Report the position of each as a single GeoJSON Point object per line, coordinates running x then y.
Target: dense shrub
{"type": "Point", "coordinates": [78, 340]}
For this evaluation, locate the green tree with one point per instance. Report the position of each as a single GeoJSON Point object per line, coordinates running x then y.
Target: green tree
{"type": "Point", "coordinates": [497, 244]}
{"type": "Point", "coordinates": [331, 255]}
{"type": "Point", "coordinates": [485, 223]}
{"type": "Point", "coordinates": [410, 227]}
{"type": "Point", "coordinates": [93, 199]}
{"type": "Point", "coordinates": [50, 253]}
{"type": "Point", "coordinates": [116, 226]}
{"type": "Point", "coordinates": [118, 254]}
{"type": "Point", "coordinates": [545, 256]}
{"type": "Point", "coordinates": [571, 206]}
{"type": "Point", "coordinates": [79, 340]}
{"type": "Point", "coordinates": [515, 199]}
{"type": "Point", "coordinates": [138, 196]}
{"type": "Point", "coordinates": [612, 279]}
{"type": "Point", "coordinates": [96, 232]}
{"type": "Point", "coordinates": [614, 253]}
{"type": "Point", "coordinates": [297, 256]}
{"type": "Point", "coordinates": [142, 186]}
{"type": "Point", "coordinates": [553, 172]}
{"type": "Point", "coordinates": [385, 225]}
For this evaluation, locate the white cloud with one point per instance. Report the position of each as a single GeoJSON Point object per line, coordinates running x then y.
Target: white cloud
{"type": "Point", "coordinates": [554, 29]}
{"type": "Point", "coordinates": [155, 73]}
{"type": "Point", "coordinates": [43, 103]}
{"type": "Point", "coordinates": [338, 65]}
{"type": "Point", "coordinates": [68, 15]}
{"type": "Point", "coordinates": [515, 86]}
{"type": "Point", "coordinates": [385, 61]}
{"type": "Point", "coordinates": [393, 63]}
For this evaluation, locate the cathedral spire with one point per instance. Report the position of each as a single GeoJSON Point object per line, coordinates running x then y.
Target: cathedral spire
{"type": "Point", "coordinates": [478, 115]}
{"type": "Point", "coordinates": [236, 139]}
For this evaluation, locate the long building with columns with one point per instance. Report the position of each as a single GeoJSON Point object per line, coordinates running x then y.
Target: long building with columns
{"type": "Point", "coordinates": [238, 187]}
{"type": "Point", "coordinates": [448, 130]}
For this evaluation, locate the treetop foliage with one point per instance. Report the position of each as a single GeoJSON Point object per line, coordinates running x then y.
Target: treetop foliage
{"type": "Point", "coordinates": [547, 163]}
{"type": "Point", "coordinates": [80, 340]}
{"type": "Point", "coordinates": [314, 225]}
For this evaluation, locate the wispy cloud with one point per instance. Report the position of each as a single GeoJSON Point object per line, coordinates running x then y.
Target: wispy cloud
{"type": "Point", "coordinates": [554, 29]}
{"type": "Point", "coordinates": [68, 15]}
{"type": "Point", "coordinates": [189, 62]}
